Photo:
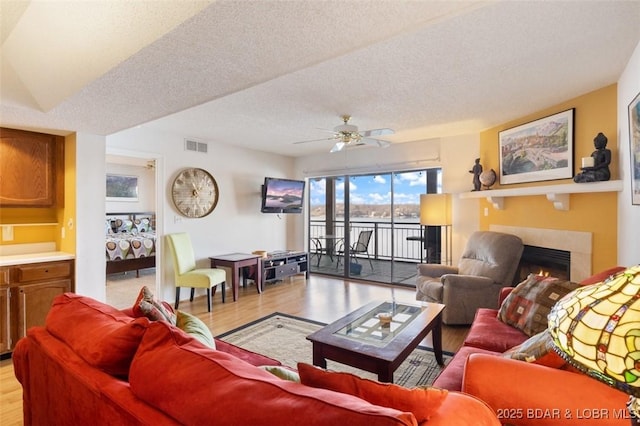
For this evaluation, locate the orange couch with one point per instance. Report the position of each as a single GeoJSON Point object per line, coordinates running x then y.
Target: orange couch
{"type": "Point", "coordinates": [94, 364]}
{"type": "Point", "coordinates": [523, 393]}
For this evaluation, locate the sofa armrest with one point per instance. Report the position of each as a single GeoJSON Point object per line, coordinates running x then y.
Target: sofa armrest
{"type": "Point", "coordinates": [465, 282]}
{"type": "Point", "coordinates": [528, 394]}
{"type": "Point", "coordinates": [20, 360]}
{"type": "Point", "coordinates": [435, 270]}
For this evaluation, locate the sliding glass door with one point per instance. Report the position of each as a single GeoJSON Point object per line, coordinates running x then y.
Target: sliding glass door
{"type": "Point", "coordinates": [368, 226]}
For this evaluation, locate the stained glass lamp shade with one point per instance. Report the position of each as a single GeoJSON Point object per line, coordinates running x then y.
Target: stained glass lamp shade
{"type": "Point", "coordinates": [596, 328]}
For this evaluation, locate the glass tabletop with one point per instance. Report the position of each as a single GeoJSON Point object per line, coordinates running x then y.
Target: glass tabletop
{"type": "Point", "coordinates": [372, 328]}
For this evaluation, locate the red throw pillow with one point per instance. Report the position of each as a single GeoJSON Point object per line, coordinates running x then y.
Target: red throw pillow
{"type": "Point", "coordinates": [100, 334]}
{"type": "Point", "coordinates": [422, 402]}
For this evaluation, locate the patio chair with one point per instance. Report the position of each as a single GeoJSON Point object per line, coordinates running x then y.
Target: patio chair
{"type": "Point", "coordinates": [361, 246]}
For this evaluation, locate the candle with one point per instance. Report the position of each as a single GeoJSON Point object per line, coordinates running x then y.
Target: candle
{"type": "Point", "coordinates": [587, 162]}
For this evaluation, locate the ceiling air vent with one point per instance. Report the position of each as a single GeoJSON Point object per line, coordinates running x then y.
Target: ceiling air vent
{"type": "Point", "coordinates": [195, 146]}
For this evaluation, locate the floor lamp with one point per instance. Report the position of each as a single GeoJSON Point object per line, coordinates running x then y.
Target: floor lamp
{"type": "Point", "coordinates": [435, 210]}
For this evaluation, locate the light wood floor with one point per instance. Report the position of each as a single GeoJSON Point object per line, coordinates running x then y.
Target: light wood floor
{"type": "Point", "coordinates": [319, 298]}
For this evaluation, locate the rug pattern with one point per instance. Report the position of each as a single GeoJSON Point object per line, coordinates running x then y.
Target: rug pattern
{"type": "Point", "coordinates": [283, 337]}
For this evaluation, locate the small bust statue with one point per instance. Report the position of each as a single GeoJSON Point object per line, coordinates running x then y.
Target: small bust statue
{"type": "Point", "coordinates": [601, 160]}
{"type": "Point", "coordinates": [477, 171]}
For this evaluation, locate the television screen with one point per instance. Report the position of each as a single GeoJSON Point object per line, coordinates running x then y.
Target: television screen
{"type": "Point", "coordinates": [282, 195]}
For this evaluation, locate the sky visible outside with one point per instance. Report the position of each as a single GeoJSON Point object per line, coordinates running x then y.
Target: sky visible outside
{"type": "Point", "coordinates": [374, 189]}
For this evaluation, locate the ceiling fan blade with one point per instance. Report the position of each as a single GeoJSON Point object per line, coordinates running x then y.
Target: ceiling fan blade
{"type": "Point", "coordinates": [377, 132]}
{"type": "Point", "coordinates": [375, 142]}
{"type": "Point", "coordinates": [339, 146]}
{"type": "Point", "coordinates": [315, 140]}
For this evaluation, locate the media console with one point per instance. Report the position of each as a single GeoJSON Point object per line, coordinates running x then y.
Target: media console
{"type": "Point", "coordinates": [281, 264]}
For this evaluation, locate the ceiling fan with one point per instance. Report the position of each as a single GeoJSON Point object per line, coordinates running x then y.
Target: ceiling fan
{"type": "Point", "coordinates": [347, 135]}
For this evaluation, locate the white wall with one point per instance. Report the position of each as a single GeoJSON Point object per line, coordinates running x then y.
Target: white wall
{"type": "Point", "coordinates": [89, 221]}
{"type": "Point", "coordinates": [146, 189]}
{"type": "Point", "coordinates": [236, 224]}
{"type": "Point", "coordinates": [455, 155]}
{"type": "Point", "coordinates": [628, 214]}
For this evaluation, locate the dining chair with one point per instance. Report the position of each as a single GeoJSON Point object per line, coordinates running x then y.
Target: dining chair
{"type": "Point", "coordinates": [186, 273]}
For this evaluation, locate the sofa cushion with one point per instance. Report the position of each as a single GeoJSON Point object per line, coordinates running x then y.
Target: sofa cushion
{"type": "Point", "coordinates": [528, 305]}
{"type": "Point", "coordinates": [538, 350]}
{"type": "Point", "coordinates": [451, 377]}
{"type": "Point", "coordinates": [488, 332]}
{"type": "Point", "coordinates": [146, 305]}
{"type": "Point", "coordinates": [207, 385]}
{"type": "Point", "coordinates": [194, 326]}
{"type": "Point", "coordinates": [422, 402]}
{"type": "Point", "coordinates": [103, 336]}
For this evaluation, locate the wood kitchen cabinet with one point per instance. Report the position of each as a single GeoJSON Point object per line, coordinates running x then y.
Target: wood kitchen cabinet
{"type": "Point", "coordinates": [26, 294]}
{"type": "Point", "coordinates": [32, 166]}
{"type": "Point", "coordinates": [5, 340]}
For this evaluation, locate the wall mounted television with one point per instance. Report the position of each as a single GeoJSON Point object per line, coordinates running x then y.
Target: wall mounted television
{"type": "Point", "coordinates": [282, 195]}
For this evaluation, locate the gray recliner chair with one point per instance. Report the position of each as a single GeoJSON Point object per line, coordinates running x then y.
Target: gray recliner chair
{"type": "Point", "coordinates": [488, 263]}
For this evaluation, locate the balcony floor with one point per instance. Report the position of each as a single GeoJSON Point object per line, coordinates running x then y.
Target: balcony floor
{"type": "Point", "coordinates": [384, 271]}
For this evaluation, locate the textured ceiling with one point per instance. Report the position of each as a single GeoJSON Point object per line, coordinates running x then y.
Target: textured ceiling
{"type": "Point", "coordinates": [264, 74]}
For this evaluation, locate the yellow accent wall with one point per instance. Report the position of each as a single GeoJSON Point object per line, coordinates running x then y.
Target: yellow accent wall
{"type": "Point", "coordinates": [596, 212]}
{"type": "Point", "coordinates": [67, 214]}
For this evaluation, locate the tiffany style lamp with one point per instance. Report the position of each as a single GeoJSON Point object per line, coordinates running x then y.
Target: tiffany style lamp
{"type": "Point", "coordinates": [596, 328]}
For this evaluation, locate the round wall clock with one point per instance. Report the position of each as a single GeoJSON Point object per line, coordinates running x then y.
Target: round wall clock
{"type": "Point", "coordinates": [194, 192]}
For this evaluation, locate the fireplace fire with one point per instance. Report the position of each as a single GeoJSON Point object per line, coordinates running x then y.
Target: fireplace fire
{"type": "Point", "coordinates": [543, 261]}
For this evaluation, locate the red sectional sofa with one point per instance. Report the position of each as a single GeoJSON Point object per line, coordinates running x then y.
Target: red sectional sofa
{"type": "Point", "coordinates": [94, 364]}
{"type": "Point", "coordinates": [523, 393]}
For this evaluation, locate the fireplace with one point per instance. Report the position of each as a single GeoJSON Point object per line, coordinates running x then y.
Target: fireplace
{"type": "Point", "coordinates": [543, 261]}
{"type": "Point", "coordinates": [577, 243]}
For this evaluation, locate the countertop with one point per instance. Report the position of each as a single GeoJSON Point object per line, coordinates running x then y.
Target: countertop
{"type": "Point", "coordinates": [22, 259]}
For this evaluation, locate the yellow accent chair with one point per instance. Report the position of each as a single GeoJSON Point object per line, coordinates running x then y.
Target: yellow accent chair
{"type": "Point", "coordinates": [184, 265]}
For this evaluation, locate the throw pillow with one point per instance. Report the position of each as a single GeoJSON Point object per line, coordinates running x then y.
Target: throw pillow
{"type": "Point", "coordinates": [194, 327]}
{"type": "Point", "coordinates": [528, 305]}
{"type": "Point", "coordinates": [283, 372]}
{"type": "Point", "coordinates": [419, 401]}
{"type": "Point", "coordinates": [147, 305]}
{"type": "Point", "coordinates": [537, 350]}
{"type": "Point", "coordinates": [105, 337]}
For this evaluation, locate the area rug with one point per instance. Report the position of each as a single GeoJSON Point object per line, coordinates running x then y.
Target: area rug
{"type": "Point", "coordinates": [283, 337]}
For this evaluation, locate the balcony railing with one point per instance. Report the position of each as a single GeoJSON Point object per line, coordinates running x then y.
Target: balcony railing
{"type": "Point", "coordinates": [386, 242]}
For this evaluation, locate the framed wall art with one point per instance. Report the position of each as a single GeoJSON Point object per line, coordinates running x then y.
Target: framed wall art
{"type": "Point", "coordinates": [538, 150]}
{"type": "Point", "coordinates": [634, 148]}
{"type": "Point", "coordinates": [122, 188]}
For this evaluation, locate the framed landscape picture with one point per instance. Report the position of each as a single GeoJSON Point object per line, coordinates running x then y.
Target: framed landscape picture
{"type": "Point", "coordinates": [122, 188]}
{"type": "Point", "coordinates": [537, 151]}
{"type": "Point", "coordinates": [634, 148]}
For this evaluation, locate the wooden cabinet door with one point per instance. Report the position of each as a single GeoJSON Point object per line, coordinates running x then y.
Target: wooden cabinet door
{"type": "Point", "coordinates": [5, 320]}
{"type": "Point", "coordinates": [30, 164]}
{"type": "Point", "coordinates": [34, 302]}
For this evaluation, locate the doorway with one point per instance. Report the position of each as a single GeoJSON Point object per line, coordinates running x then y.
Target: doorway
{"type": "Point", "coordinates": [131, 227]}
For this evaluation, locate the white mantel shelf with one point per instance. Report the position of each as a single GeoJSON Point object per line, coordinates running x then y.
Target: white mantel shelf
{"type": "Point", "coordinates": [557, 194]}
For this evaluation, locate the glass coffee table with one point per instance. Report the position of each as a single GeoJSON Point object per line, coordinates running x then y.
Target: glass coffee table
{"type": "Point", "coordinates": [366, 339]}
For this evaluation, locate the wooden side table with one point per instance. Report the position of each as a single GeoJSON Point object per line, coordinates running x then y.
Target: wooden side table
{"type": "Point", "coordinates": [236, 261]}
